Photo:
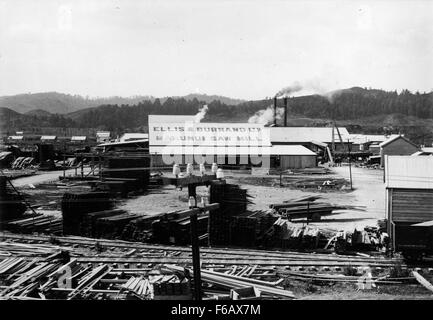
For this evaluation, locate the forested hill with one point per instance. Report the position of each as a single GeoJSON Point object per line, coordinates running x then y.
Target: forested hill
{"type": "Point", "coordinates": [54, 102]}
{"type": "Point", "coordinates": [355, 106]}
{"type": "Point", "coordinates": [348, 104]}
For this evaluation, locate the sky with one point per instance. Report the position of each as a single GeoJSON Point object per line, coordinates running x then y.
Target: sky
{"type": "Point", "coordinates": [241, 49]}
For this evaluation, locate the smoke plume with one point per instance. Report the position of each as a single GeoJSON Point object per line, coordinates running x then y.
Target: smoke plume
{"type": "Point", "coordinates": [309, 87]}
{"type": "Point", "coordinates": [266, 116]}
{"type": "Point", "coordinates": [285, 92]}
{"type": "Point", "coordinates": [201, 113]}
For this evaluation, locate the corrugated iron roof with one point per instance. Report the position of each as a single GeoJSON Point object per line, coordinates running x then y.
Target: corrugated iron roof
{"type": "Point", "coordinates": [156, 118]}
{"type": "Point", "coordinates": [424, 224]}
{"type": "Point", "coordinates": [231, 150]}
{"type": "Point", "coordinates": [306, 134]}
{"type": "Point", "coordinates": [16, 137]}
{"type": "Point", "coordinates": [125, 143]}
{"type": "Point", "coordinates": [394, 138]}
{"type": "Point", "coordinates": [78, 138]}
{"type": "Point", "coordinates": [48, 138]}
{"type": "Point", "coordinates": [409, 172]}
{"type": "Point", "coordinates": [133, 136]}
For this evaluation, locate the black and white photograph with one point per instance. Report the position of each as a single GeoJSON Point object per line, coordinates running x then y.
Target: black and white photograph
{"type": "Point", "coordinates": [210, 157]}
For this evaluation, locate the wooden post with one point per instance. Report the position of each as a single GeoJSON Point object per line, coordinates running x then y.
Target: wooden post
{"type": "Point", "coordinates": [195, 257]}
{"type": "Point", "coordinates": [64, 164]}
{"type": "Point", "coordinates": [192, 192]}
{"type": "Point", "coordinates": [82, 167]}
{"type": "Point", "coordinates": [350, 164]}
{"type": "Point", "coordinates": [100, 168]}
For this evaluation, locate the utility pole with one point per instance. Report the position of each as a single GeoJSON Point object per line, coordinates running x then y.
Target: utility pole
{"type": "Point", "coordinates": [195, 256]}
{"type": "Point", "coordinates": [350, 164]}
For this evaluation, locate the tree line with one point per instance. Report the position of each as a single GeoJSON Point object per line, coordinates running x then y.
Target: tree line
{"type": "Point", "coordinates": [355, 103]}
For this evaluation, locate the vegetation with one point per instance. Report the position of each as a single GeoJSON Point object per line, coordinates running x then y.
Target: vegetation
{"type": "Point", "coordinates": [361, 110]}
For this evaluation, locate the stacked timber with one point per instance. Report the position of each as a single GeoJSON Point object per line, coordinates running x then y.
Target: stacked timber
{"type": "Point", "coordinates": [171, 287]}
{"type": "Point", "coordinates": [292, 236]}
{"type": "Point", "coordinates": [139, 229]}
{"type": "Point", "coordinates": [36, 223]}
{"type": "Point", "coordinates": [11, 204]}
{"type": "Point", "coordinates": [304, 208]}
{"type": "Point", "coordinates": [76, 206]}
{"type": "Point", "coordinates": [129, 167]}
{"type": "Point", "coordinates": [249, 228]}
{"type": "Point", "coordinates": [175, 228]}
{"type": "Point", "coordinates": [89, 225]}
{"type": "Point", "coordinates": [233, 201]}
{"type": "Point", "coordinates": [112, 227]}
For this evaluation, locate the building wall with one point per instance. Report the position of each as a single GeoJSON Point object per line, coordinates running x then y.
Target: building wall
{"type": "Point", "coordinates": [375, 150]}
{"type": "Point", "coordinates": [297, 162]}
{"type": "Point", "coordinates": [399, 147]}
{"type": "Point", "coordinates": [407, 207]}
{"type": "Point", "coordinates": [285, 162]}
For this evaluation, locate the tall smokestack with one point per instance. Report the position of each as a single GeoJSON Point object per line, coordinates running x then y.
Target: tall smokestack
{"type": "Point", "coordinates": [285, 111]}
{"type": "Point", "coordinates": [275, 111]}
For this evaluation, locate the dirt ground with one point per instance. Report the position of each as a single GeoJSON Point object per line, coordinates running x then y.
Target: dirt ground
{"type": "Point", "coordinates": [368, 195]}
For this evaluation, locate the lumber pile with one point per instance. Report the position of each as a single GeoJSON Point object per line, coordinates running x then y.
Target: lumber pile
{"type": "Point", "coordinates": [139, 229]}
{"type": "Point", "coordinates": [304, 208]}
{"type": "Point", "coordinates": [232, 282]}
{"type": "Point", "coordinates": [249, 228]}
{"type": "Point", "coordinates": [11, 204]}
{"type": "Point", "coordinates": [233, 201]}
{"type": "Point", "coordinates": [36, 223]}
{"type": "Point", "coordinates": [292, 236]}
{"type": "Point", "coordinates": [175, 227]}
{"type": "Point", "coordinates": [111, 227]}
{"type": "Point", "coordinates": [171, 287]}
{"type": "Point", "coordinates": [75, 207]}
{"type": "Point", "coordinates": [128, 167]}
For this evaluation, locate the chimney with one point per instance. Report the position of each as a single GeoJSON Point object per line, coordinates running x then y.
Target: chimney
{"type": "Point", "coordinates": [285, 111]}
{"type": "Point", "coordinates": [275, 111]}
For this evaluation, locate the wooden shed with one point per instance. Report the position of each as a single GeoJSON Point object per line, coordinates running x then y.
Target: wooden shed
{"type": "Point", "coordinates": [409, 186]}
{"type": "Point", "coordinates": [293, 157]}
{"type": "Point", "coordinates": [396, 146]}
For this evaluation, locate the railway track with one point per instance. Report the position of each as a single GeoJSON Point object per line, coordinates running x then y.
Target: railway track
{"type": "Point", "coordinates": [131, 254]}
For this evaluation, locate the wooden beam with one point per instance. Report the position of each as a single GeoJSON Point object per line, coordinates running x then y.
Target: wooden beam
{"type": "Point", "coordinates": [422, 281]}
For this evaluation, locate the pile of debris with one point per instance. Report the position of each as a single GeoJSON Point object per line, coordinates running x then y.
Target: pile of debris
{"type": "Point", "coordinates": [321, 184]}
{"type": "Point", "coordinates": [23, 162]}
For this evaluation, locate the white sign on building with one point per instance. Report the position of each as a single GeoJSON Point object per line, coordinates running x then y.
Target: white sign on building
{"type": "Point", "coordinates": [207, 134]}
